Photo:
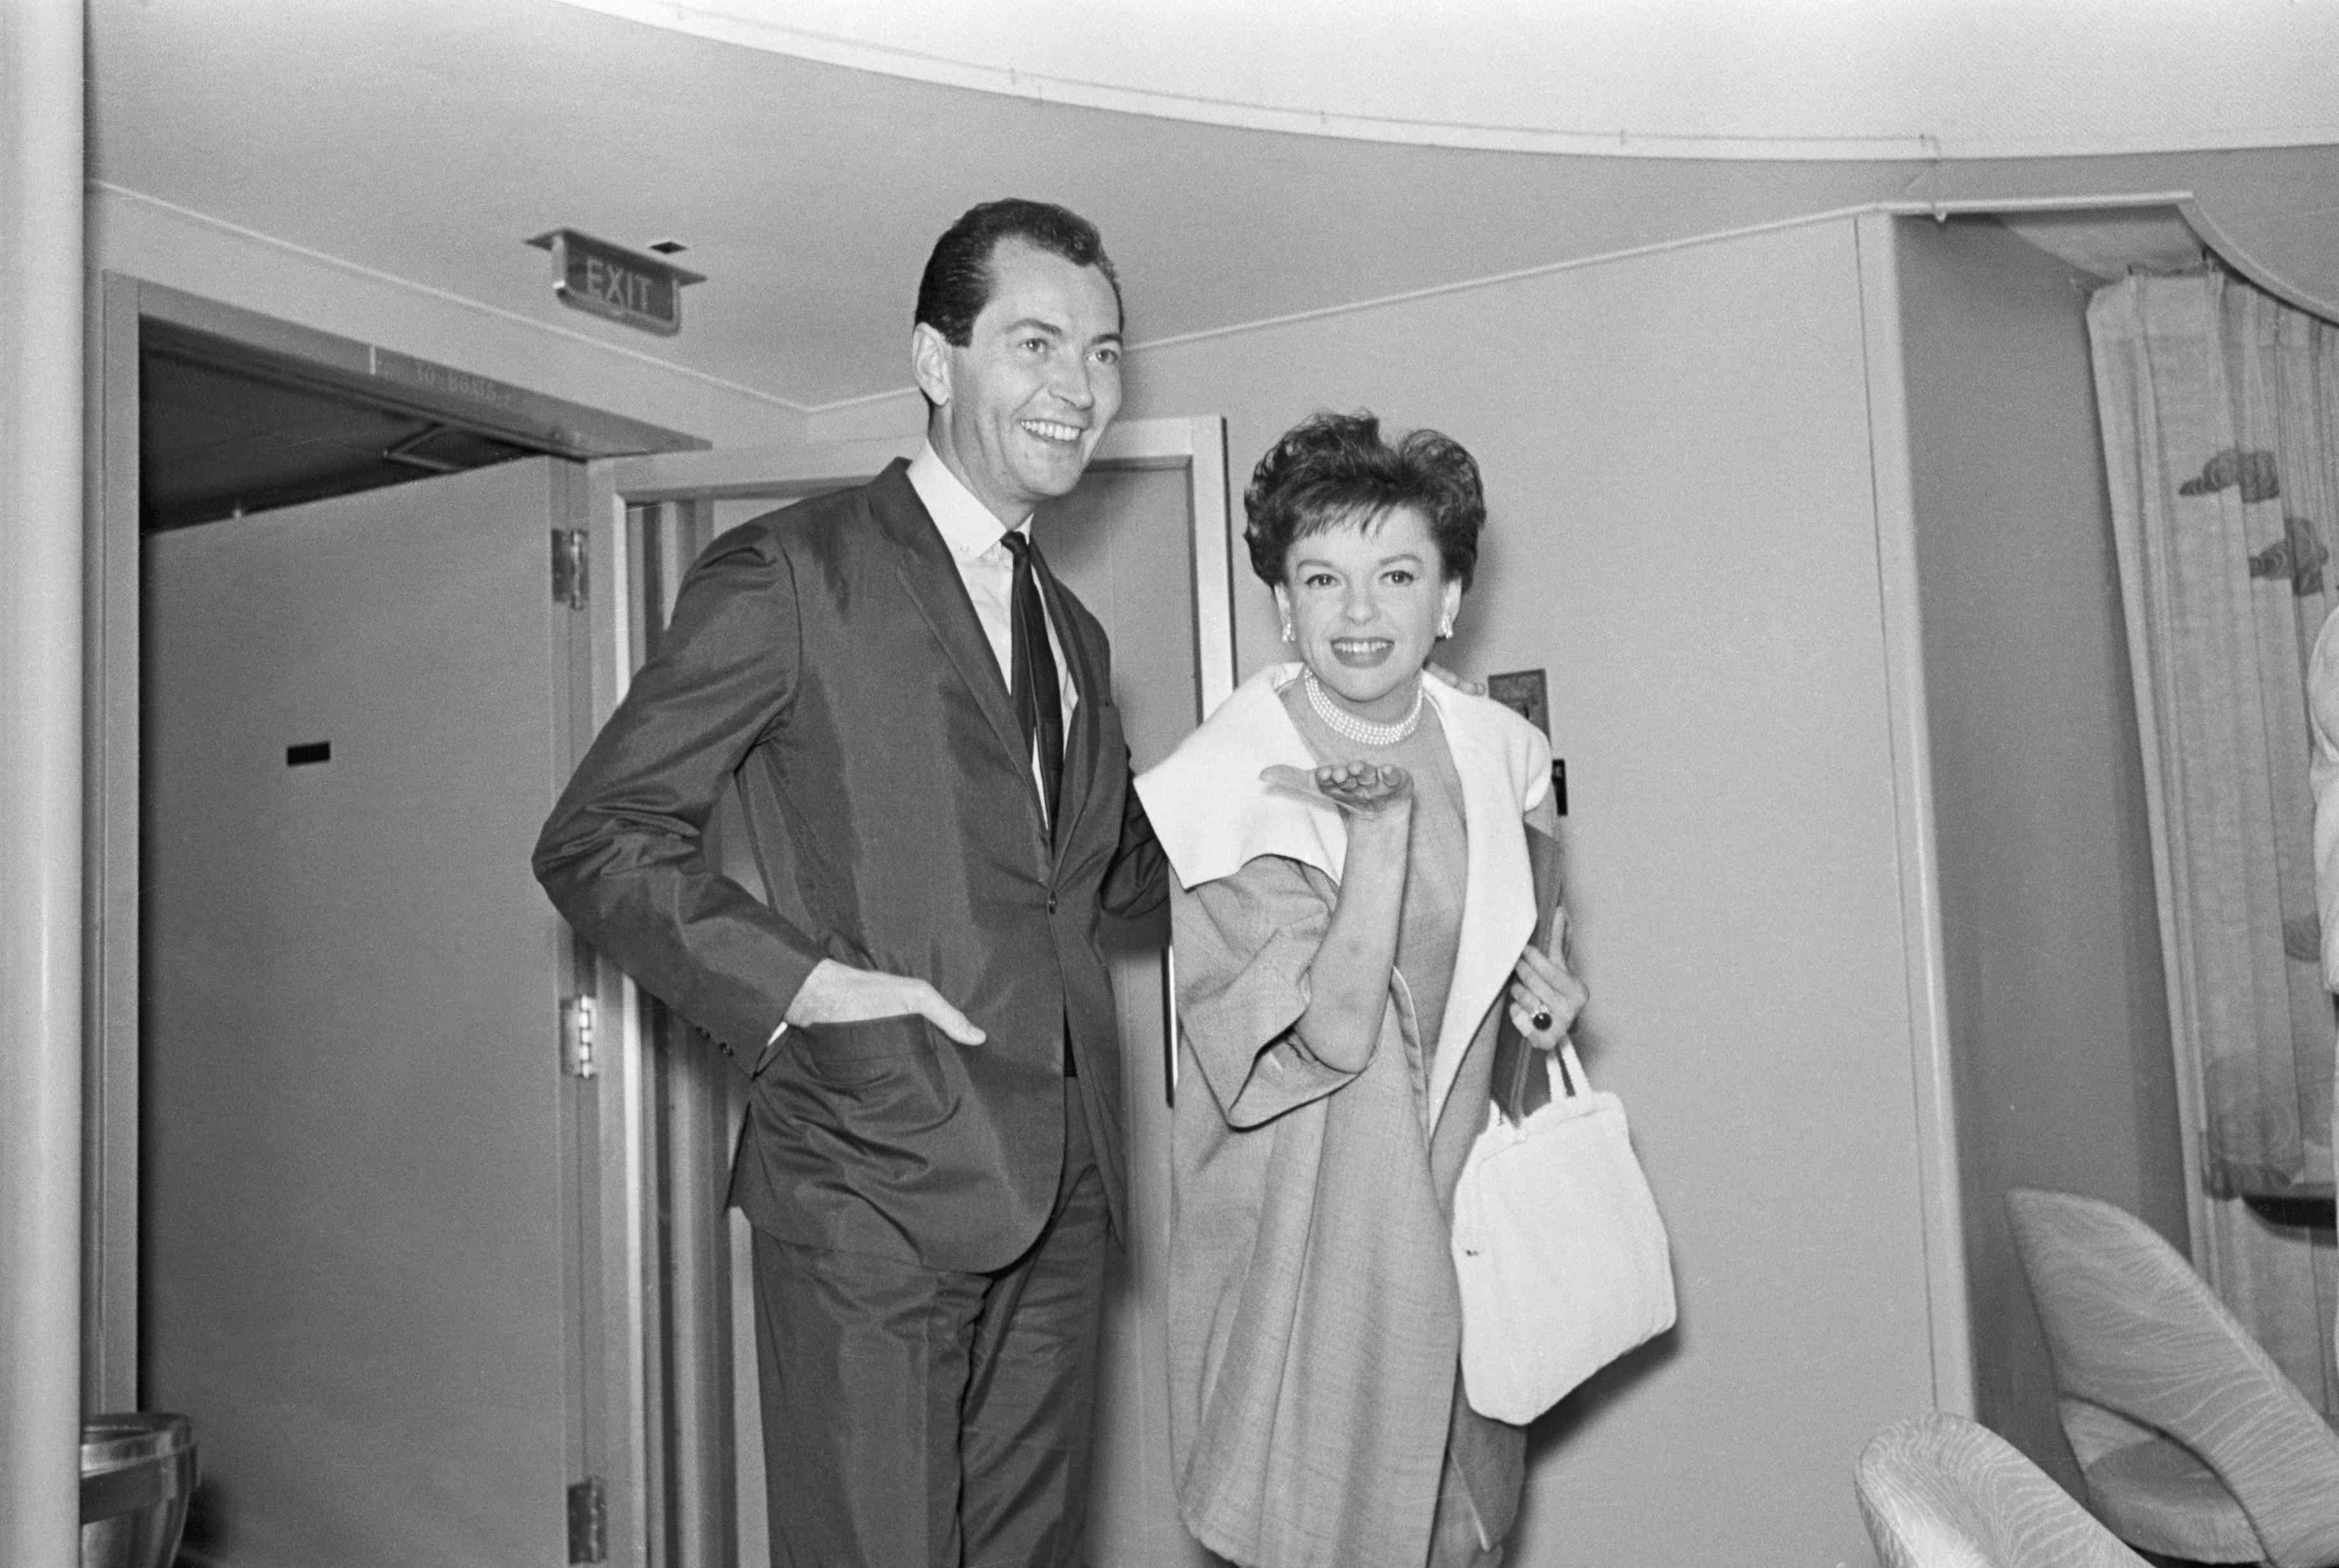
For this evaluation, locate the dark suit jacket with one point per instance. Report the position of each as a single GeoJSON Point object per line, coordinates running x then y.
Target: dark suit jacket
{"type": "Point", "coordinates": [827, 655]}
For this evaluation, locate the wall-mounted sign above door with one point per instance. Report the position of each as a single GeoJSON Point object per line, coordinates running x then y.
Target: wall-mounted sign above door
{"type": "Point", "coordinates": [611, 280]}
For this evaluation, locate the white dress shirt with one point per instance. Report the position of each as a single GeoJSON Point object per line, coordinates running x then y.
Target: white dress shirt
{"type": "Point", "coordinates": [986, 568]}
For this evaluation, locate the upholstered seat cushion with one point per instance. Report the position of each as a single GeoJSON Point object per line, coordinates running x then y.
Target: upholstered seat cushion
{"type": "Point", "coordinates": [1939, 1492]}
{"type": "Point", "coordinates": [2158, 1495]}
{"type": "Point", "coordinates": [2146, 1358]}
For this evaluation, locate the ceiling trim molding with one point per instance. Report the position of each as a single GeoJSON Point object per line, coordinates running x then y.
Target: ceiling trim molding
{"type": "Point", "coordinates": [826, 49]}
{"type": "Point", "coordinates": [445, 296]}
{"type": "Point", "coordinates": [740, 26]}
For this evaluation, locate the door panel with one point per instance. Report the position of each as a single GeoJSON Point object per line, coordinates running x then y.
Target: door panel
{"type": "Point", "coordinates": [1122, 542]}
{"type": "Point", "coordinates": [354, 1202]}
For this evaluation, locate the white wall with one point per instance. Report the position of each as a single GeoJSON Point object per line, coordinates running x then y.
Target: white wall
{"type": "Point", "coordinates": [2064, 1072]}
{"type": "Point", "coordinates": [1684, 534]}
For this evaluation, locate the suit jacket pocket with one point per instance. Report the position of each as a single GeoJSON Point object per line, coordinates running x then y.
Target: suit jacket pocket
{"type": "Point", "coordinates": [841, 1055]}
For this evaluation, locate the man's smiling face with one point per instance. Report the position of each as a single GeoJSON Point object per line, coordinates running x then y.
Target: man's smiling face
{"type": "Point", "coordinates": [1020, 407]}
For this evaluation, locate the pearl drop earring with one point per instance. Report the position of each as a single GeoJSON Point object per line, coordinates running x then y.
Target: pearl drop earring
{"type": "Point", "coordinates": [1287, 631]}
{"type": "Point", "coordinates": [1446, 630]}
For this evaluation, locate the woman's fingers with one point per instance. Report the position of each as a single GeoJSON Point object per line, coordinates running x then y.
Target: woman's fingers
{"type": "Point", "coordinates": [1549, 972]}
{"type": "Point", "coordinates": [1545, 998]}
{"type": "Point", "coordinates": [1332, 776]}
{"type": "Point", "coordinates": [1361, 787]}
{"type": "Point", "coordinates": [1564, 1001]}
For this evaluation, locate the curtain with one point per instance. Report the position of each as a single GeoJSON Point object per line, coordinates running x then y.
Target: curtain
{"type": "Point", "coordinates": [2220, 415]}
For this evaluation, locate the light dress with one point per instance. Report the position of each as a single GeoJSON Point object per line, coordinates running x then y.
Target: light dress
{"type": "Point", "coordinates": [1314, 1319]}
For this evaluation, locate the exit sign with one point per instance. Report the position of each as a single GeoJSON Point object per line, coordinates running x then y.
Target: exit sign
{"type": "Point", "coordinates": [591, 274]}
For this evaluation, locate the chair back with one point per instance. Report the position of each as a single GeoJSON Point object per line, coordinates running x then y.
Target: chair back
{"type": "Point", "coordinates": [1939, 1492]}
{"type": "Point", "coordinates": [2132, 1328]}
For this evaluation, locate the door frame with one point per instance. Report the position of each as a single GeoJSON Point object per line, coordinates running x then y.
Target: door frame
{"type": "Point", "coordinates": [1197, 444]}
{"type": "Point", "coordinates": [117, 305]}
{"type": "Point", "coordinates": [626, 1152]}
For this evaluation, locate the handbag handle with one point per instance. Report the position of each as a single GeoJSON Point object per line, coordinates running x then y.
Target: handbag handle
{"type": "Point", "coordinates": [1519, 1090]}
{"type": "Point", "coordinates": [1561, 1064]}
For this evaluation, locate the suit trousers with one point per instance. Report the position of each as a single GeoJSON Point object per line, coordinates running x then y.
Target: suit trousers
{"type": "Point", "coordinates": [915, 1415]}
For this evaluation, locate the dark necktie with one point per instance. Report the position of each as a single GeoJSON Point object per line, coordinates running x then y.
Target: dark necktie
{"type": "Point", "coordinates": [1032, 667]}
{"type": "Point", "coordinates": [1038, 699]}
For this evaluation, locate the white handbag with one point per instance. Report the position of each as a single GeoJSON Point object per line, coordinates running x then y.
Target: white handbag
{"type": "Point", "coordinates": [1557, 1242]}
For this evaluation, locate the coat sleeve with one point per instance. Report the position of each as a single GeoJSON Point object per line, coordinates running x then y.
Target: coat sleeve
{"type": "Point", "coordinates": [1244, 944]}
{"type": "Point", "coordinates": [1138, 877]}
{"type": "Point", "coordinates": [622, 855]}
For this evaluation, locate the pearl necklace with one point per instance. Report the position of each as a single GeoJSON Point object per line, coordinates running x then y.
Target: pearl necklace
{"type": "Point", "coordinates": [1364, 732]}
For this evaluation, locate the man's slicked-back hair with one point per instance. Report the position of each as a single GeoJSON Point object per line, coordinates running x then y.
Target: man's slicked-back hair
{"type": "Point", "coordinates": [958, 279]}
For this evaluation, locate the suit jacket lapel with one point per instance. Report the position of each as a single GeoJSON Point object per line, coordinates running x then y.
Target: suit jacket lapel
{"type": "Point", "coordinates": [933, 579]}
{"type": "Point", "coordinates": [1085, 735]}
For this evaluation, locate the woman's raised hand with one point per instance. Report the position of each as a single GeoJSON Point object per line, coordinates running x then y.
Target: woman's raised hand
{"type": "Point", "coordinates": [1366, 790]}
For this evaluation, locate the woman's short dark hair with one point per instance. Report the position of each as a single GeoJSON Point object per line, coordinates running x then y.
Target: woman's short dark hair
{"type": "Point", "coordinates": [958, 279]}
{"type": "Point", "coordinates": [1330, 469]}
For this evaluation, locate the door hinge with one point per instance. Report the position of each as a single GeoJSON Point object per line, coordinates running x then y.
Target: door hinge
{"type": "Point", "coordinates": [576, 1037]}
{"type": "Point", "coordinates": [588, 1521]}
{"type": "Point", "coordinates": [568, 567]}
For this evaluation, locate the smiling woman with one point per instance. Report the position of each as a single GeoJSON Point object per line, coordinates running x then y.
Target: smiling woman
{"type": "Point", "coordinates": [1353, 920]}
{"type": "Point", "coordinates": [1369, 548]}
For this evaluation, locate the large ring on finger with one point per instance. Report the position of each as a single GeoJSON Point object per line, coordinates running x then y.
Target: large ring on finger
{"type": "Point", "coordinates": [1542, 1019]}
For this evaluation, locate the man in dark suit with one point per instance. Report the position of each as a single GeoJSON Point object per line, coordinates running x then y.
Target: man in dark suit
{"type": "Point", "coordinates": [920, 722]}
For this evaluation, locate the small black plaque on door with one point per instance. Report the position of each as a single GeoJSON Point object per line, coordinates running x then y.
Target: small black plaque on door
{"type": "Point", "coordinates": [308, 752]}
{"type": "Point", "coordinates": [1525, 693]}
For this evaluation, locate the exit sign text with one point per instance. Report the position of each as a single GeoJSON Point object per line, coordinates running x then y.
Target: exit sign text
{"type": "Point", "coordinates": [615, 282]}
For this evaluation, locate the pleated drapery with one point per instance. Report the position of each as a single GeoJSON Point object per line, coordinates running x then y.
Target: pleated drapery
{"type": "Point", "coordinates": [2220, 414]}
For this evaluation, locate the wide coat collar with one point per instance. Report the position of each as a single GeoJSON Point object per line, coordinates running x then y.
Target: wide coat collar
{"type": "Point", "coordinates": [1213, 815]}
{"type": "Point", "coordinates": [930, 574]}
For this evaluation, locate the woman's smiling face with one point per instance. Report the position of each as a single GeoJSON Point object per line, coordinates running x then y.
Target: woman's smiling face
{"type": "Point", "coordinates": [1363, 600]}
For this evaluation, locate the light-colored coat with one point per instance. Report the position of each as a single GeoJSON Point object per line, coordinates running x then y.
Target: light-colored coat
{"type": "Point", "coordinates": [1314, 1325]}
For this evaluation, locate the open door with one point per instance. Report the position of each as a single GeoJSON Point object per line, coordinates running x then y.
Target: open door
{"type": "Point", "coordinates": [366, 1268]}
{"type": "Point", "coordinates": [1143, 542]}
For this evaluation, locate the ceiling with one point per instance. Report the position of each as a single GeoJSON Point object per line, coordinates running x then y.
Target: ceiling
{"type": "Point", "coordinates": [430, 139]}
{"type": "Point", "coordinates": [1646, 78]}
